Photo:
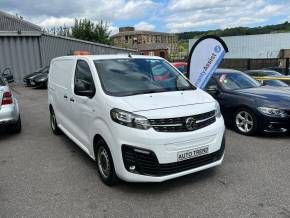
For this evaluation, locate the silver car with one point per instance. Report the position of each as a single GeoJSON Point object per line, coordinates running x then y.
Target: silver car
{"type": "Point", "coordinates": [9, 109]}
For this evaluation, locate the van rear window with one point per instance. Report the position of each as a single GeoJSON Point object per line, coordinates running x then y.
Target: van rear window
{"type": "Point", "coordinates": [62, 72]}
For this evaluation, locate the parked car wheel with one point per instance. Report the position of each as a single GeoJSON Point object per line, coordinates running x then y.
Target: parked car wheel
{"type": "Point", "coordinates": [245, 121]}
{"type": "Point", "coordinates": [53, 123]}
{"type": "Point", "coordinates": [15, 127]}
{"type": "Point", "coordinates": [105, 164]}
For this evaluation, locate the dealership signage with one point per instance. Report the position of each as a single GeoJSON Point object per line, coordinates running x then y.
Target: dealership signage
{"type": "Point", "coordinates": [204, 58]}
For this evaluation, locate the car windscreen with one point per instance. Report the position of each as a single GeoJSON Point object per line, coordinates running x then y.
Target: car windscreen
{"type": "Point", "coordinates": [276, 83]}
{"type": "Point", "coordinates": [44, 69]}
{"type": "Point", "coordinates": [235, 80]}
{"type": "Point", "coordinates": [270, 73]}
{"type": "Point", "coordinates": [132, 76]}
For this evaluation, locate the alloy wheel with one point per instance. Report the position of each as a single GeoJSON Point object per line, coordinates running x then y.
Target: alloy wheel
{"type": "Point", "coordinates": [244, 121]}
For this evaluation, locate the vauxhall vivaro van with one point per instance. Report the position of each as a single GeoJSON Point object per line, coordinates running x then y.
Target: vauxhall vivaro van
{"type": "Point", "coordinates": [138, 117]}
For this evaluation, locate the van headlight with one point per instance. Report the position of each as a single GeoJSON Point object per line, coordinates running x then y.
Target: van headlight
{"type": "Point", "coordinates": [218, 113]}
{"type": "Point", "coordinates": [272, 112]}
{"type": "Point", "coordinates": [129, 119]}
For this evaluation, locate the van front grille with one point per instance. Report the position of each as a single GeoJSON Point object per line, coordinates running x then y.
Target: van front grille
{"type": "Point", "coordinates": [178, 124]}
{"type": "Point", "coordinates": [145, 162]}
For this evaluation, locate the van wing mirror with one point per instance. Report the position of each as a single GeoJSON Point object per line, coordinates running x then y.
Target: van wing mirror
{"type": "Point", "coordinates": [84, 88]}
{"type": "Point", "coordinates": [213, 90]}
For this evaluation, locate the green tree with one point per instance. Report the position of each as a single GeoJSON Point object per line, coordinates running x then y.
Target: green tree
{"type": "Point", "coordinates": [283, 27]}
{"type": "Point", "coordinates": [87, 30]}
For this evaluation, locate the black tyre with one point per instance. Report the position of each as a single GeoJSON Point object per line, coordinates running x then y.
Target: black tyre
{"type": "Point", "coordinates": [53, 123]}
{"type": "Point", "coordinates": [15, 127]}
{"type": "Point", "coordinates": [245, 121]}
{"type": "Point", "coordinates": [105, 164]}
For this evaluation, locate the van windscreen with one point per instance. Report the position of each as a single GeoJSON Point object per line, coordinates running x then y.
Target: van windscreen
{"type": "Point", "coordinates": [125, 77]}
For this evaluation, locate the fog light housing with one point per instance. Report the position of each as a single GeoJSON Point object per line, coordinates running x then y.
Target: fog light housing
{"type": "Point", "coordinates": [132, 168]}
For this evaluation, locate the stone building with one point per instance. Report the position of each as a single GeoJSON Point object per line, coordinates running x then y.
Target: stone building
{"type": "Point", "coordinates": [147, 42]}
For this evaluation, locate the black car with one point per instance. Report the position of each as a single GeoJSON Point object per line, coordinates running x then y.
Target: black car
{"type": "Point", "coordinates": [275, 83]}
{"type": "Point", "coordinates": [248, 106]}
{"type": "Point", "coordinates": [40, 81]}
{"type": "Point", "coordinates": [28, 80]}
{"type": "Point", "coordinates": [279, 80]}
{"type": "Point", "coordinates": [281, 70]}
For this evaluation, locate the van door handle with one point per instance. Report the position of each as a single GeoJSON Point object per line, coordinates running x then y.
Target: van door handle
{"type": "Point", "coordinates": [65, 96]}
{"type": "Point", "coordinates": [72, 99]}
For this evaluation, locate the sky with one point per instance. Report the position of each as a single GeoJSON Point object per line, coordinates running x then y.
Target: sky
{"type": "Point", "coordinates": [156, 15]}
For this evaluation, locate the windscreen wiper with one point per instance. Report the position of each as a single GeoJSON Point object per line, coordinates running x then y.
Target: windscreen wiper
{"type": "Point", "coordinates": [148, 92]}
{"type": "Point", "coordinates": [184, 89]}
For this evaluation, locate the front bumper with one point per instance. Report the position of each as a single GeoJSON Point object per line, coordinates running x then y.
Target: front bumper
{"type": "Point", "coordinates": [26, 82]}
{"type": "Point", "coordinates": [273, 124]}
{"type": "Point", "coordinates": [165, 147]}
{"type": "Point", "coordinates": [145, 162]}
{"type": "Point", "coordinates": [29, 82]}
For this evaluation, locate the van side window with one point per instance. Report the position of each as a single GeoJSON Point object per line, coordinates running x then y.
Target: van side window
{"type": "Point", "coordinates": [84, 83]}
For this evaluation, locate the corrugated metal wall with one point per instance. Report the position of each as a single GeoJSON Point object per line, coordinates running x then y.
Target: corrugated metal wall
{"type": "Point", "coordinates": [53, 46]}
{"type": "Point", "coordinates": [24, 48]}
{"type": "Point", "coordinates": [255, 46]}
{"type": "Point", "coordinates": [25, 54]}
{"type": "Point", "coordinates": [21, 54]}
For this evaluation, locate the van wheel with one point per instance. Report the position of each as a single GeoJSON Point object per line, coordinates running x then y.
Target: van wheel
{"type": "Point", "coordinates": [105, 164]}
{"type": "Point", "coordinates": [15, 127]}
{"type": "Point", "coordinates": [53, 123]}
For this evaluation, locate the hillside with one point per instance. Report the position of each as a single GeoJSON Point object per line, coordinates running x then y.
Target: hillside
{"type": "Point", "coordinates": [283, 27]}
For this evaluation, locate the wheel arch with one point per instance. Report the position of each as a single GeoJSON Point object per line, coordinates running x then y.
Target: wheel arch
{"type": "Point", "coordinates": [50, 108]}
{"type": "Point", "coordinates": [96, 139]}
{"type": "Point", "coordinates": [236, 108]}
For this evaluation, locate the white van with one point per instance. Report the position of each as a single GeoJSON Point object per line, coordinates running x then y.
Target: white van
{"type": "Point", "coordinates": [137, 116]}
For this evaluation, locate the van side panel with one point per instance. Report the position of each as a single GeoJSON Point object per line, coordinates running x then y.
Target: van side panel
{"type": "Point", "coordinates": [60, 80]}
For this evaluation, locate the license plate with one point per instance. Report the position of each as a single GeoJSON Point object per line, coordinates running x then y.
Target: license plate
{"type": "Point", "coordinates": [184, 155]}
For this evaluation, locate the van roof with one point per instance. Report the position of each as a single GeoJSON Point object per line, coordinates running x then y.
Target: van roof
{"type": "Point", "coordinates": [102, 57]}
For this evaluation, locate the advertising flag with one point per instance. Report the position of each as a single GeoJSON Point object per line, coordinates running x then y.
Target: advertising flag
{"type": "Point", "coordinates": [204, 58]}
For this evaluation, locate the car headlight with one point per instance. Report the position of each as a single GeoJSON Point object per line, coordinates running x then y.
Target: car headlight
{"type": "Point", "coordinates": [41, 80]}
{"type": "Point", "coordinates": [129, 119]}
{"type": "Point", "coordinates": [218, 113]}
{"type": "Point", "coordinates": [272, 112]}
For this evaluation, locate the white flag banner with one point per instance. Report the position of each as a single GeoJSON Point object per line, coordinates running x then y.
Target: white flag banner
{"type": "Point", "coordinates": [204, 58]}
